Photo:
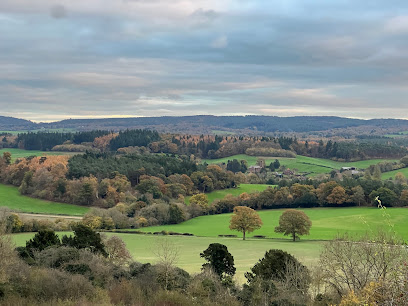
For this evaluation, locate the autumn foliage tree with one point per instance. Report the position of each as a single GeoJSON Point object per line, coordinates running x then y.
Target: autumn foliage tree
{"type": "Point", "coordinates": [245, 220]}
{"type": "Point", "coordinates": [294, 223]}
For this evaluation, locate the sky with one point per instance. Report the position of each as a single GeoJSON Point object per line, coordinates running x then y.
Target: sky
{"type": "Point", "coordinates": [113, 58]}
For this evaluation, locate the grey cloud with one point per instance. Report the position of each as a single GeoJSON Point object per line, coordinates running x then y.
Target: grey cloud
{"type": "Point", "coordinates": [58, 11]}
{"type": "Point", "coordinates": [190, 57]}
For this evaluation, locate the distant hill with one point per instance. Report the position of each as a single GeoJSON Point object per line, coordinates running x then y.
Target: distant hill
{"type": "Point", "coordinates": [15, 124]}
{"type": "Point", "coordinates": [204, 124]}
{"type": "Point", "coordinates": [207, 124]}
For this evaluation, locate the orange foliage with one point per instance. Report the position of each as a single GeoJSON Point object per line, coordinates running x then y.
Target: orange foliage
{"type": "Point", "coordinates": [102, 143]}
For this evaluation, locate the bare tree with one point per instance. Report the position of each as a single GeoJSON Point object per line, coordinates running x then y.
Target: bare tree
{"type": "Point", "coordinates": [350, 264]}
{"type": "Point", "coordinates": [167, 254]}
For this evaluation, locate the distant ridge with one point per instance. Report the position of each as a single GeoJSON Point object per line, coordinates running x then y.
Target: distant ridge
{"type": "Point", "coordinates": [208, 123]}
{"type": "Point", "coordinates": [15, 124]}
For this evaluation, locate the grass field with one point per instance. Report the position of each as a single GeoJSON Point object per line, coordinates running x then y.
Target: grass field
{"type": "Point", "coordinates": [327, 223]}
{"type": "Point", "coordinates": [19, 153]}
{"type": "Point", "coordinates": [301, 163]}
{"type": "Point", "coordinates": [400, 135]}
{"type": "Point", "coordinates": [391, 174]}
{"type": "Point", "coordinates": [220, 194]}
{"type": "Point", "coordinates": [246, 253]}
{"type": "Point", "coordinates": [11, 198]}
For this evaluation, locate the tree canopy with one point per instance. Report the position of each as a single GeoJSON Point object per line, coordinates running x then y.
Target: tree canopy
{"type": "Point", "coordinates": [294, 223]}
{"type": "Point", "coordinates": [245, 220]}
{"type": "Point", "coordinates": [219, 259]}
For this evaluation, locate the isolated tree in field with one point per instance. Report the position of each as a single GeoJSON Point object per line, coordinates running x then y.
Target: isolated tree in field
{"type": "Point", "coordinates": [245, 220]}
{"type": "Point", "coordinates": [219, 259]}
{"type": "Point", "coordinates": [294, 223]}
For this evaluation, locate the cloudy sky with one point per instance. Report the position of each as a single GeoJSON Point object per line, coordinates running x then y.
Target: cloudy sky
{"type": "Point", "coordinates": [103, 58]}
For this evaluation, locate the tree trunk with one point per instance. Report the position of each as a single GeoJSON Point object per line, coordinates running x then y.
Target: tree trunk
{"type": "Point", "coordinates": [244, 236]}
{"type": "Point", "coordinates": [294, 237]}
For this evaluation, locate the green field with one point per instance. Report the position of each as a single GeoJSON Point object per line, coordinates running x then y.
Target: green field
{"type": "Point", "coordinates": [220, 194]}
{"type": "Point", "coordinates": [400, 135]}
{"type": "Point", "coordinates": [11, 198]}
{"type": "Point", "coordinates": [327, 223]}
{"type": "Point", "coordinates": [391, 174]}
{"type": "Point", "coordinates": [19, 153]}
{"type": "Point", "coordinates": [246, 253]}
{"type": "Point", "coordinates": [301, 163]}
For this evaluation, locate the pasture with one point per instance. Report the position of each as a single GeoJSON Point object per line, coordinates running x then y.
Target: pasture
{"type": "Point", "coordinates": [391, 174]}
{"type": "Point", "coordinates": [246, 253]}
{"type": "Point", "coordinates": [301, 163]}
{"type": "Point", "coordinates": [19, 153]}
{"type": "Point", "coordinates": [327, 223]}
{"type": "Point", "coordinates": [10, 197]}
{"type": "Point", "coordinates": [220, 194]}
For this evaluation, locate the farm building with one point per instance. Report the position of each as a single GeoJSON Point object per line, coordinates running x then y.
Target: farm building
{"type": "Point", "coordinates": [255, 169]}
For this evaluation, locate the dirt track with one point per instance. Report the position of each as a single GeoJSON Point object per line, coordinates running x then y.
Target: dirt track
{"type": "Point", "coordinates": [45, 216]}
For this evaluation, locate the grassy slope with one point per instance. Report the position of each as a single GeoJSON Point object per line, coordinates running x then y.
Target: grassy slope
{"type": "Point", "coordinates": [220, 194]}
{"type": "Point", "coordinates": [246, 253]}
{"type": "Point", "coordinates": [327, 222]}
{"type": "Point", "coordinates": [391, 174]}
{"type": "Point", "coordinates": [301, 163]}
{"type": "Point", "coordinates": [19, 153]}
{"type": "Point", "coordinates": [11, 198]}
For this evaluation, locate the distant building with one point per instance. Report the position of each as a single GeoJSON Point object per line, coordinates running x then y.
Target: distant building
{"type": "Point", "coordinates": [348, 168]}
{"type": "Point", "coordinates": [277, 174]}
{"type": "Point", "coordinates": [255, 169]}
{"type": "Point", "coordinates": [288, 172]}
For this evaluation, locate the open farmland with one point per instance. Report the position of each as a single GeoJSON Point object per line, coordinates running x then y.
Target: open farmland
{"type": "Point", "coordinates": [327, 223]}
{"type": "Point", "coordinates": [19, 153]}
{"type": "Point", "coordinates": [11, 198]}
{"type": "Point", "coordinates": [301, 163]}
{"type": "Point", "coordinates": [391, 174]}
{"type": "Point", "coordinates": [246, 253]}
{"type": "Point", "coordinates": [220, 194]}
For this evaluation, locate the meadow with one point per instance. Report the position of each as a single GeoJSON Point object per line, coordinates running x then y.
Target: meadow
{"type": "Point", "coordinates": [220, 194]}
{"type": "Point", "coordinates": [10, 197]}
{"type": "Point", "coordinates": [246, 253]}
{"type": "Point", "coordinates": [301, 163]}
{"type": "Point", "coordinates": [391, 174]}
{"type": "Point", "coordinates": [327, 223]}
{"type": "Point", "coordinates": [20, 153]}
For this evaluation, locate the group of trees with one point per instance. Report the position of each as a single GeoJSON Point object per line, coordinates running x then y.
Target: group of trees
{"type": "Point", "coordinates": [312, 193]}
{"type": "Point", "coordinates": [138, 189]}
{"type": "Point", "coordinates": [291, 223]}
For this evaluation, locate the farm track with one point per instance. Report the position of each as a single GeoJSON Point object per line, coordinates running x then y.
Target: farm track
{"type": "Point", "coordinates": [46, 216]}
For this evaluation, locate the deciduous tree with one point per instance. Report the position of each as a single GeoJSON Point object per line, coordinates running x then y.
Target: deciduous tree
{"type": "Point", "coordinates": [245, 220]}
{"type": "Point", "coordinates": [294, 222]}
